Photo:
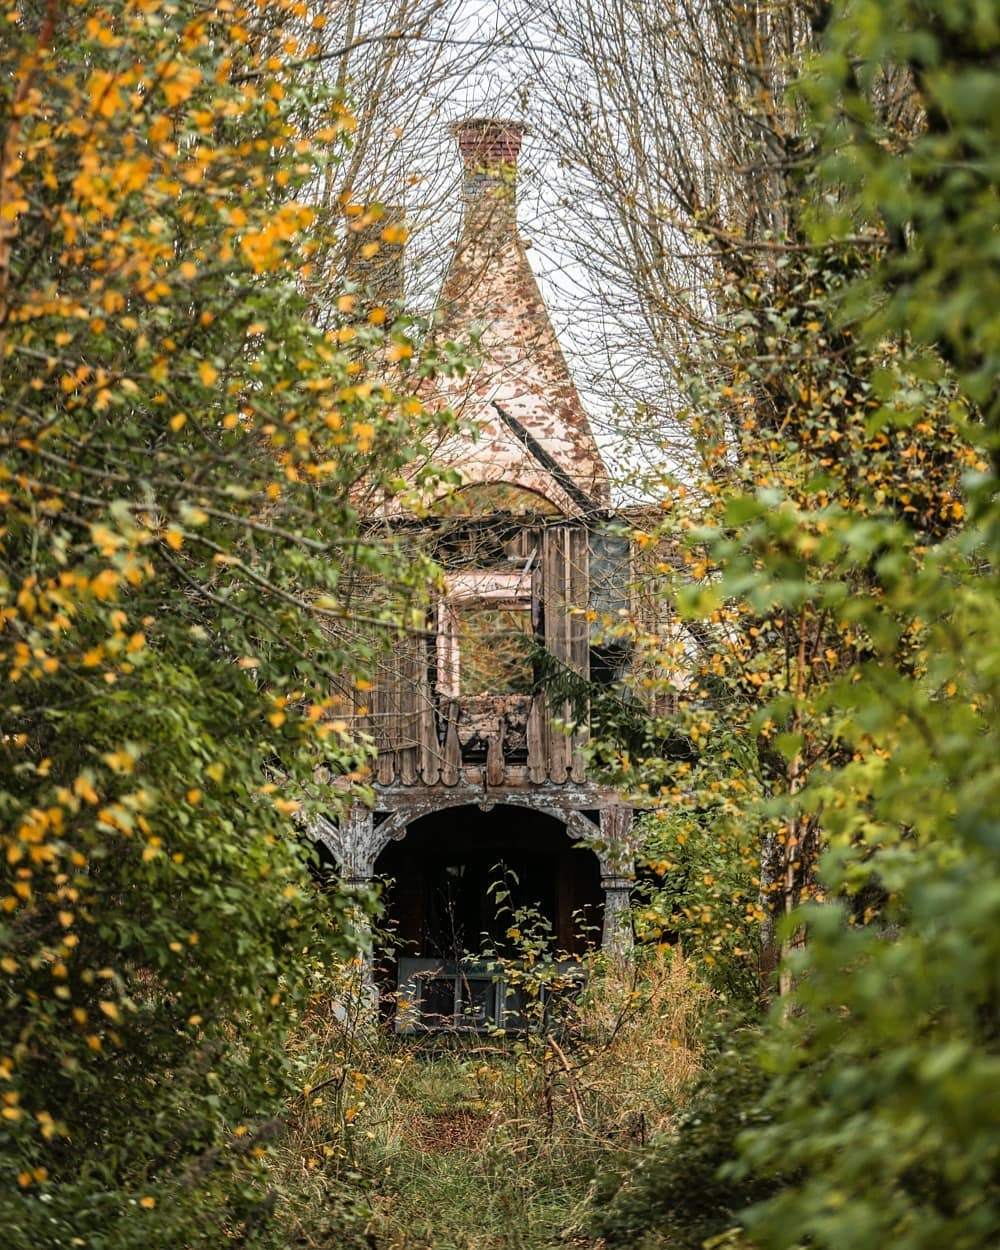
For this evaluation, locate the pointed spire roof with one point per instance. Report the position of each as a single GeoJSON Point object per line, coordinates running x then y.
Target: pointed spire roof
{"type": "Point", "coordinates": [533, 429]}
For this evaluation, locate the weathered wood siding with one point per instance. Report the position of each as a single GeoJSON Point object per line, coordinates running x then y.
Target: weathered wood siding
{"type": "Point", "coordinates": [423, 737]}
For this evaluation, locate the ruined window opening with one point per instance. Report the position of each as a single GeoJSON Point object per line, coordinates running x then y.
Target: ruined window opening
{"type": "Point", "coordinates": [485, 634]}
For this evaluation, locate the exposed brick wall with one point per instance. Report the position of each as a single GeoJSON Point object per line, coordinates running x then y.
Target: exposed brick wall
{"type": "Point", "coordinates": [488, 142]}
{"type": "Point", "coordinates": [490, 285]}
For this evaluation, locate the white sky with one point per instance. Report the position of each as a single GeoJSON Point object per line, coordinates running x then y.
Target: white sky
{"type": "Point", "coordinates": [480, 56]}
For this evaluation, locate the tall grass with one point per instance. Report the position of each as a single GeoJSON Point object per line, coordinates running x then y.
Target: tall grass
{"type": "Point", "coordinates": [478, 1142]}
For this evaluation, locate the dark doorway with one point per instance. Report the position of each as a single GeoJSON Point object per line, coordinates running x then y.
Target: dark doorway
{"type": "Point", "coordinates": [440, 896]}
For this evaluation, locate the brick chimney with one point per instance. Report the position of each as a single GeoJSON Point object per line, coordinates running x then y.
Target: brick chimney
{"type": "Point", "coordinates": [489, 147]}
{"type": "Point", "coordinates": [533, 429]}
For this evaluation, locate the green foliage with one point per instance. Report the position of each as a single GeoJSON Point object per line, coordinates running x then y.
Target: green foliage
{"type": "Point", "coordinates": [185, 581]}
{"type": "Point", "coordinates": [885, 1060]}
{"type": "Point", "coordinates": [906, 105]}
{"type": "Point", "coordinates": [703, 893]}
{"type": "Point", "coordinates": [675, 1197]}
{"type": "Point", "coordinates": [843, 622]}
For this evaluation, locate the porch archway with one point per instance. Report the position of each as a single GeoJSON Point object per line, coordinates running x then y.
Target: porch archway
{"type": "Point", "coordinates": [442, 876]}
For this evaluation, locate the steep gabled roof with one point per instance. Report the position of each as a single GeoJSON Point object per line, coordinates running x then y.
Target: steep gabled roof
{"type": "Point", "coordinates": [533, 428]}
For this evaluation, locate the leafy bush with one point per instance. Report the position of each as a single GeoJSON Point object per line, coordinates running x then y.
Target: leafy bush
{"type": "Point", "coordinates": [676, 1197]}
{"type": "Point", "coordinates": [703, 888]}
{"type": "Point", "coordinates": [886, 1059]}
{"type": "Point", "coordinates": [181, 450]}
{"type": "Point", "coordinates": [847, 608]}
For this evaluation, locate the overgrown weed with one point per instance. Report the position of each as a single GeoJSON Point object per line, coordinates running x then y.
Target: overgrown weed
{"type": "Point", "coordinates": [482, 1142]}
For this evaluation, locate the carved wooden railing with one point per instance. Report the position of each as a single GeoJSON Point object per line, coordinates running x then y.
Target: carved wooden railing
{"type": "Point", "coordinates": [491, 740]}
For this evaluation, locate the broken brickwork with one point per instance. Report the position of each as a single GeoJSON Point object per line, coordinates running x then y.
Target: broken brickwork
{"type": "Point", "coordinates": [533, 428]}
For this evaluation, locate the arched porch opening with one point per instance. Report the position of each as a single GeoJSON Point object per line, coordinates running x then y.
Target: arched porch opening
{"type": "Point", "coordinates": [442, 909]}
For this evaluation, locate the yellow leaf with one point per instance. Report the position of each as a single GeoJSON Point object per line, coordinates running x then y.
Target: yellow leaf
{"type": "Point", "coordinates": [179, 82]}
{"type": "Point", "coordinates": [173, 538]}
{"type": "Point", "coordinates": [13, 209]}
{"type": "Point", "coordinates": [147, 1203]}
{"type": "Point", "coordinates": [83, 789]}
{"type": "Point", "coordinates": [110, 1009]}
{"type": "Point", "coordinates": [104, 585]}
{"type": "Point", "coordinates": [105, 97]}
{"type": "Point", "coordinates": [208, 373]}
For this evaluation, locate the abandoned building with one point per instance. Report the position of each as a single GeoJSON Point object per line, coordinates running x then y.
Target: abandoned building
{"type": "Point", "coordinates": [480, 768]}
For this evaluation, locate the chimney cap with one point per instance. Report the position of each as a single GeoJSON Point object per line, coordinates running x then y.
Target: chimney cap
{"type": "Point", "coordinates": [489, 141]}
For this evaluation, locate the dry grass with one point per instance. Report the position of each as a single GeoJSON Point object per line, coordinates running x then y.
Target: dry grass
{"type": "Point", "coordinates": [490, 1144]}
{"type": "Point", "coordinates": [642, 1023]}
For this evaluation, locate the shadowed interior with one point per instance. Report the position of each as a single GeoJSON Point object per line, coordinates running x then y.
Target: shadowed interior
{"type": "Point", "coordinates": [439, 895]}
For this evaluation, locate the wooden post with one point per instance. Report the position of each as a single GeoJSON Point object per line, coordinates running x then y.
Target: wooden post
{"type": "Point", "coordinates": [617, 857]}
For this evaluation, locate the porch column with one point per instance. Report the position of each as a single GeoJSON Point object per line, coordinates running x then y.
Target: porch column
{"type": "Point", "coordinates": [354, 845]}
{"type": "Point", "coordinates": [617, 858]}
{"type": "Point", "coordinates": [357, 871]}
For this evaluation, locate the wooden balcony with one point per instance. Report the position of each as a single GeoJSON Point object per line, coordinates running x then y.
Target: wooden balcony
{"type": "Point", "coordinates": [482, 740]}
